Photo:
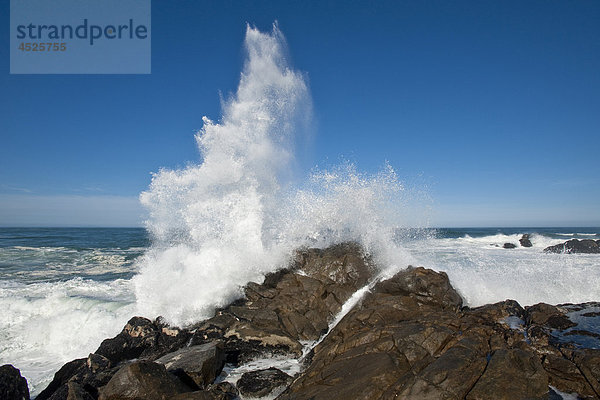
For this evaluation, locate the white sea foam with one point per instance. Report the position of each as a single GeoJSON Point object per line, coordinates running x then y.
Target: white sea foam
{"type": "Point", "coordinates": [484, 273]}
{"type": "Point", "coordinates": [45, 325]}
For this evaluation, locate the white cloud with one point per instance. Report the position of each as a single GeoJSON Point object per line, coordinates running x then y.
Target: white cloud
{"type": "Point", "coordinates": [61, 210]}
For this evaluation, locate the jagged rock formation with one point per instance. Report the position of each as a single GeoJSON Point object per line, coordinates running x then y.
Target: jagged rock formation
{"type": "Point", "coordinates": [575, 246]}
{"type": "Point", "coordinates": [409, 337]}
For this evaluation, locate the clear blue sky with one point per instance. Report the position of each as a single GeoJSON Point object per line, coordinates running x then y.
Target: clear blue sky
{"type": "Point", "coordinates": [493, 106]}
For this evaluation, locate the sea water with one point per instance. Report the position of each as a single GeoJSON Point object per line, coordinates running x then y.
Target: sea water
{"type": "Point", "coordinates": [239, 213]}
{"type": "Point", "coordinates": [64, 290]}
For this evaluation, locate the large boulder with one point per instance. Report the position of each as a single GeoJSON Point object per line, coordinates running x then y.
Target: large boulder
{"type": "Point", "coordinates": [263, 382]}
{"type": "Point", "coordinates": [197, 366]}
{"type": "Point", "coordinates": [143, 338]}
{"type": "Point", "coordinates": [142, 380]}
{"type": "Point", "coordinates": [88, 373]}
{"type": "Point", "coordinates": [575, 246]}
{"type": "Point", "coordinates": [12, 385]}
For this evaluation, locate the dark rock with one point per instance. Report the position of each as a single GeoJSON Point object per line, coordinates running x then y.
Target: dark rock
{"type": "Point", "coordinates": [525, 241]}
{"type": "Point", "coordinates": [511, 374]}
{"type": "Point", "coordinates": [61, 377]}
{"type": "Point", "coordinates": [509, 245]}
{"type": "Point", "coordinates": [12, 385]}
{"type": "Point", "coordinates": [402, 341]}
{"type": "Point", "coordinates": [218, 391]}
{"type": "Point", "coordinates": [89, 374]}
{"type": "Point", "coordinates": [71, 391]}
{"type": "Point", "coordinates": [142, 380]}
{"type": "Point", "coordinates": [549, 316]}
{"type": "Point", "coordinates": [400, 338]}
{"type": "Point", "coordinates": [291, 305]}
{"type": "Point", "coordinates": [197, 366]}
{"type": "Point", "coordinates": [564, 375]}
{"type": "Point", "coordinates": [425, 285]}
{"type": "Point", "coordinates": [575, 246]}
{"type": "Point", "coordinates": [262, 382]}
{"type": "Point", "coordinates": [139, 334]}
{"type": "Point", "coordinates": [142, 338]}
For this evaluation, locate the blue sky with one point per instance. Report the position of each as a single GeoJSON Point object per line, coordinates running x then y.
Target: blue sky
{"type": "Point", "coordinates": [491, 107]}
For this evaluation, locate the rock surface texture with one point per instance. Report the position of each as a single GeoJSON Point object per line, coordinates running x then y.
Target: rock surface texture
{"type": "Point", "coordinates": [576, 246]}
{"type": "Point", "coordinates": [409, 337]}
{"type": "Point", "coordinates": [525, 240]}
{"type": "Point", "coordinates": [12, 385]}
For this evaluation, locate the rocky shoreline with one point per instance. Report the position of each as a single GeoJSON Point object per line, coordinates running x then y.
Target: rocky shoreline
{"type": "Point", "coordinates": [408, 337]}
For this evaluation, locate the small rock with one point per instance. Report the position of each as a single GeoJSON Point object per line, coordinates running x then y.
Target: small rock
{"type": "Point", "coordinates": [263, 382]}
{"type": "Point", "coordinates": [12, 385]}
{"type": "Point", "coordinates": [509, 245]}
{"type": "Point", "coordinates": [525, 241]}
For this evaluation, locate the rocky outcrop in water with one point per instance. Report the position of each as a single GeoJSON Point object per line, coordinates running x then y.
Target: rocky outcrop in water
{"type": "Point", "coordinates": [409, 337]}
{"type": "Point", "coordinates": [575, 246]}
{"type": "Point", "coordinates": [525, 240]}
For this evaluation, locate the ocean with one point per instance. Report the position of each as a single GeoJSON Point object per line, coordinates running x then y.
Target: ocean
{"type": "Point", "coordinates": [64, 290]}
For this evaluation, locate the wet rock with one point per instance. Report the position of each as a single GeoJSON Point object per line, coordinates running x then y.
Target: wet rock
{"type": "Point", "coordinates": [525, 240]}
{"type": "Point", "coordinates": [575, 246]}
{"type": "Point", "coordinates": [511, 374]}
{"type": "Point", "coordinates": [61, 377]}
{"type": "Point", "coordinates": [400, 337]}
{"type": "Point", "coordinates": [263, 382]}
{"type": "Point", "coordinates": [291, 305]}
{"type": "Point", "coordinates": [71, 391]}
{"type": "Point", "coordinates": [89, 374]}
{"type": "Point", "coordinates": [12, 385]}
{"type": "Point", "coordinates": [565, 376]}
{"type": "Point", "coordinates": [197, 366]}
{"type": "Point", "coordinates": [509, 245]}
{"type": "Point", "coordinates": [139, 334]}
{"type": "Point", "coordinates": [219, 391]}
{"type": "Point", "coordinates": [549, 316]}
{"type": "Point", "coordinates": [142, 338]}
{"type": "Point", "coordinates": [142, 380]}
{"type": "Point", "coordinates": [424, 285]}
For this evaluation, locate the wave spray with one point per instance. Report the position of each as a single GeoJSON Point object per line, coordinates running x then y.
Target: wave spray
{"type": "Point", "coordinates": [235, 216]}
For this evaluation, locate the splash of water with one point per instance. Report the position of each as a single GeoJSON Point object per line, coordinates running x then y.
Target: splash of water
{"type": "Point", "coordinates": [233, 217]}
